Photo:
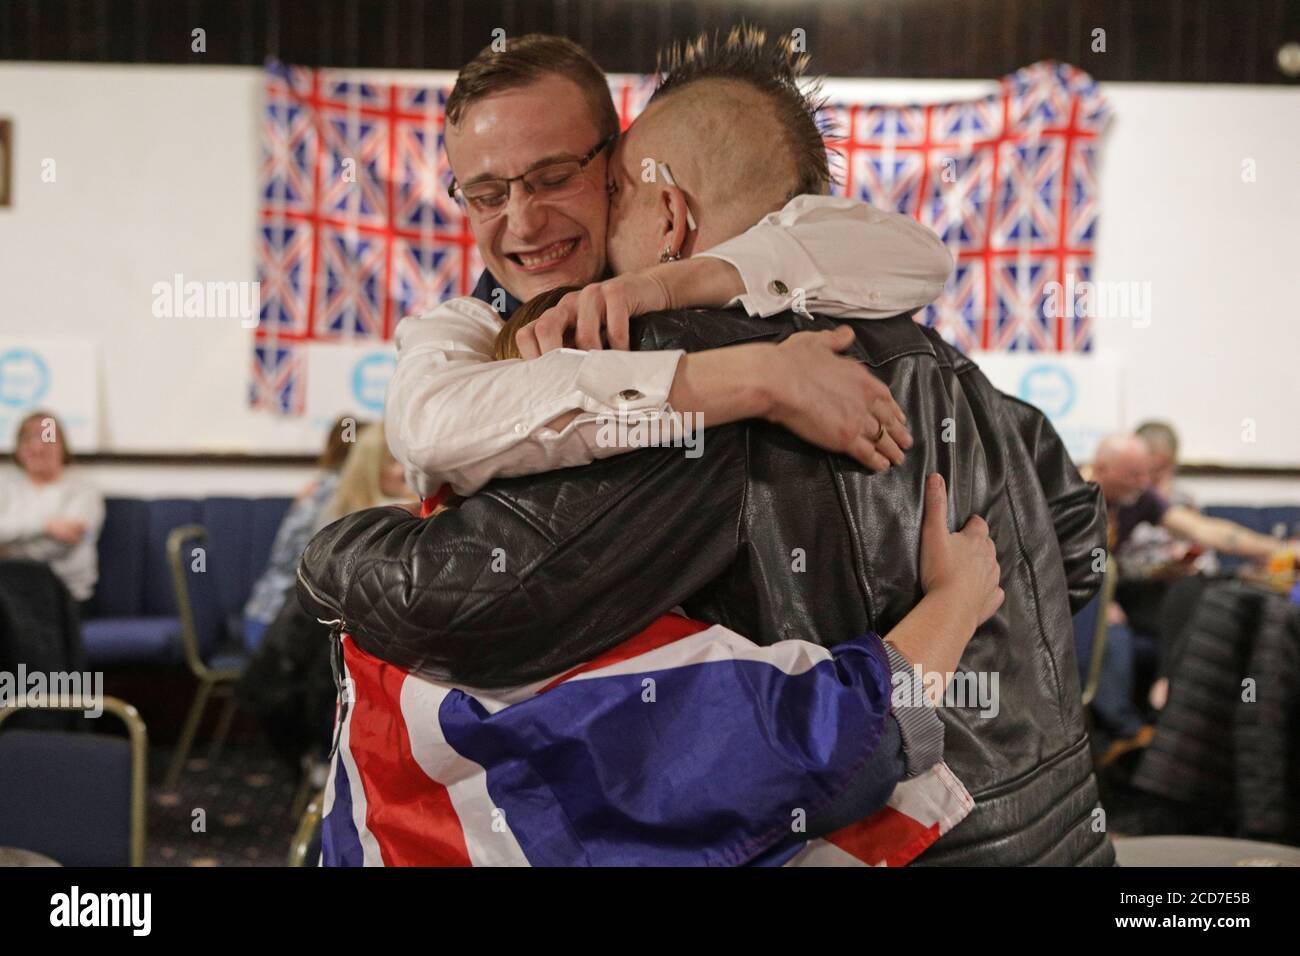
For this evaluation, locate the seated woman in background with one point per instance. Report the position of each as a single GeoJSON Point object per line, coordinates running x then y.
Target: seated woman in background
{"type": "Point", "coordinates": [49, 513]}
{"type": "Point", "coordinates": [288, 683]}
{"type": "Point", "coordinates": [303, 520]}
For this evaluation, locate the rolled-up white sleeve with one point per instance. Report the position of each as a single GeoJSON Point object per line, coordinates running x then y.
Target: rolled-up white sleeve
{"type": "Point", "coordinates": [454, 415]}
{"type": "Point", "coordinates": [836, 257]}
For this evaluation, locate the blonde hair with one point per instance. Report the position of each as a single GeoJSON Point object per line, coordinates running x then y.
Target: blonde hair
{"type": "Point", "coordinates": [772, 66]}
{"type": "Point", "coordinates": [358, 486]}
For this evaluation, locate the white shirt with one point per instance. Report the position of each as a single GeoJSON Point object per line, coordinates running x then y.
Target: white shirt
{"type": "Point", "coordinates": [25, 508]}
{"type": "Point", "coordinates": [455, 415]}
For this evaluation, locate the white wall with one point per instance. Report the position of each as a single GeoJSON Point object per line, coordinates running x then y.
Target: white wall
{"type": "Point", "coordinates": [157, 174]}
{"type": "Point", "coordinates": [1222, 354]}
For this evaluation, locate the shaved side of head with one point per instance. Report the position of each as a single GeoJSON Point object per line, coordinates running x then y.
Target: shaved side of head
{"type": "Point", "coordinates": [773, 66]}
{"type": "Point", "coordinates": [725, 149]}
{"type": "Point", "coordinates": [737, 127]}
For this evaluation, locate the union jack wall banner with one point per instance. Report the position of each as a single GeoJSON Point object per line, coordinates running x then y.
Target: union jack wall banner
{"type": "Point", "coordinates": [356, 229]}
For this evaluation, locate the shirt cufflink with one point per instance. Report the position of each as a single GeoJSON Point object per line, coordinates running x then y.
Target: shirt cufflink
{"type": "Point", "coordinates": [763, 296]}
{"type": "Point", "coordinates": [918, 721]}
{"type": "Point", "coordinates": [770, 264]}
{"type": "Point", "coordinates": [615, 381]}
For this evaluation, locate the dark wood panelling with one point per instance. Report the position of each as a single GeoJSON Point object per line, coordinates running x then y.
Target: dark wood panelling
{"type": "Point", "coordinates": [1152, 40]}
{"type": "Point", "coordinates": [1197, 41]}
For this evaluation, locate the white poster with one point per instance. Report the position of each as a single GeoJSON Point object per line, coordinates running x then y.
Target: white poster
{"type": "Point", "coordinates": [348, 380]}
{"type": "Point", "coordinates": [55, 375]}
{"type": "Point", "coordinates": [1079, 394]}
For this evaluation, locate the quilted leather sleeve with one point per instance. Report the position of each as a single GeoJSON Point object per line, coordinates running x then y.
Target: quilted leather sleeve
{"type": "Point", "coordinates": [532, 575]}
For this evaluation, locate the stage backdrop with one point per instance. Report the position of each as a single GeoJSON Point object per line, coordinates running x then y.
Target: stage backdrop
{"type": "Point", "coordinates": [357, 230]}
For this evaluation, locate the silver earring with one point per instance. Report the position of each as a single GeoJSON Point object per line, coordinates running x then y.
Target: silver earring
{"type": "Point", "coordinates": [669, 255]}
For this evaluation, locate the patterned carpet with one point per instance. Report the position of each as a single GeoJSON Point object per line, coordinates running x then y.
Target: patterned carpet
{"type": "Point", "coordinates": [235, 812]}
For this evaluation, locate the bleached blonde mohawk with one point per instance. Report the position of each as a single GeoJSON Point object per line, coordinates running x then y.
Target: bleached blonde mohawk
{"type": "Point", "coordinates": [775, 68]}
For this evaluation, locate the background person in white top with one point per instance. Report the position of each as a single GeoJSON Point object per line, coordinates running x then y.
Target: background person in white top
{"type": "Point", "coordinates": [47, 512]}
{"type": "Point", "coordinates": [527, 135]}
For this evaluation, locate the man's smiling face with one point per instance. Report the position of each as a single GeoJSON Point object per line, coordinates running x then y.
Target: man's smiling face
{"type": "Point", "coordinates": [532, 244]}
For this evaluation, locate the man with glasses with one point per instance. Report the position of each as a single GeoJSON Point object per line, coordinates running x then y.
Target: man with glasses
{"type": "Point", "coordinates": [527, 135]}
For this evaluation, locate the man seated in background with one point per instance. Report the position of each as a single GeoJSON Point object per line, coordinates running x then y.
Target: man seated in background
{"type": "Point", "coordinates": [761, 533]}
{"type": "Point", "coordinates": [1161, 576]}
{"type": "Point", "coordinates": [1153, 557]}
{"type": "Point", "coordinates": [1123, 468]}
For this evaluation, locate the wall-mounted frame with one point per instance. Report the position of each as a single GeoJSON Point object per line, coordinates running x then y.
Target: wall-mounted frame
{"type": "Point", "coordinates": [6, 162]}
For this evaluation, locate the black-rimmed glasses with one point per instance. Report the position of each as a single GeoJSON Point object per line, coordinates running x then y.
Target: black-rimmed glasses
{"type": "Point", "coordinates": [488, 197]}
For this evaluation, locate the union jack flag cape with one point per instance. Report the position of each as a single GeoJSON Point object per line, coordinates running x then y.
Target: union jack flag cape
{"type": "Point", "coordinates": [686, 745]}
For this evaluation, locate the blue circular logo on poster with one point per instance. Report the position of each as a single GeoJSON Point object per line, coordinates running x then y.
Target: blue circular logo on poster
{"type": "Point", "coordinates": [1050, 388]}
{"type": "Point", "coordinates": [24, 378]}
{"type": "Point", "coordinates": [370, 379]}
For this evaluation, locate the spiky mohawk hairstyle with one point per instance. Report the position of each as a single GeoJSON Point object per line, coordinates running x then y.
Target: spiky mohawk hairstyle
{"type": "Point", "coordinates": [773, 68]}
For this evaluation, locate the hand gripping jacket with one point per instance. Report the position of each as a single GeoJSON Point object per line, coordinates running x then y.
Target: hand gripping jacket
{"type": "Point", "coordinates": [775, 539]}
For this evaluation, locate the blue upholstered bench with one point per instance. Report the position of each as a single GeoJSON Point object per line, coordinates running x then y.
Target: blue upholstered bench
{"type": "Point", "coordinates": [133, 615]}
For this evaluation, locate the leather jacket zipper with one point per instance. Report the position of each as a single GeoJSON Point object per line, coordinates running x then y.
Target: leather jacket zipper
{"type": "Point", "coordinates": [337, 668]}
{"type": "Point", "coordinates": [340, 685]}
{"type": "Point", "coordinates": [317, 598]}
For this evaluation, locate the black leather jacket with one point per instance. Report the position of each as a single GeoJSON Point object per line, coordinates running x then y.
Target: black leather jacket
{"type": "Point", "coordinates": [533, 575]}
